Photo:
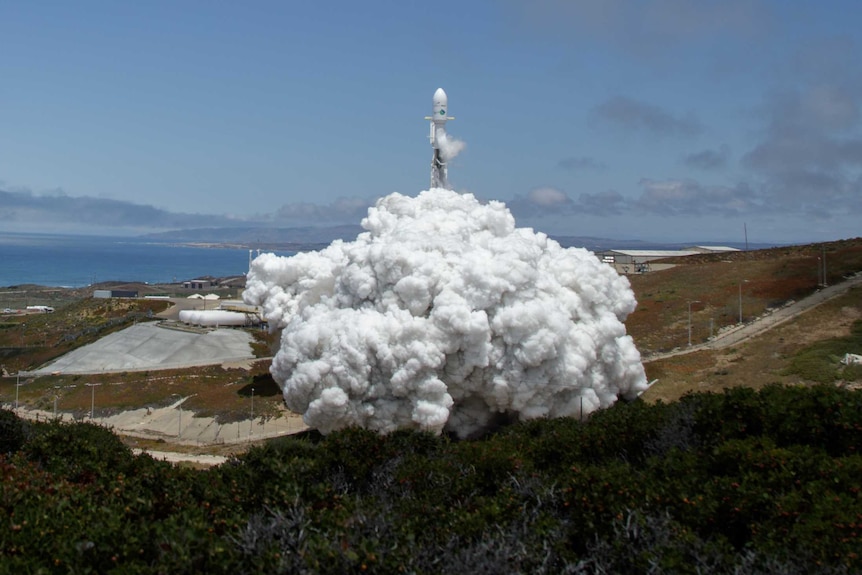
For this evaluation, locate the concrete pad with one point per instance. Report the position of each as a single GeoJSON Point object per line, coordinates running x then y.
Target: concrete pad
{"type": "Point", "coordinates": [148, 346]}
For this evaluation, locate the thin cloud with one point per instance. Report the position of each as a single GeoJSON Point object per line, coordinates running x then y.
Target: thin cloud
{"type": "Point", "coordinates": [690, 198]}
{"type": "Point", "coordinates": [708, 159]}
{"type": "Point", "coordinates": [581, 163]}
{"type": "Point", "coordinates": [809, 158]}
{"type": "Point", "coordinates": [27, 208]}
{"type": "Point", "coordinates": [608, 203]}
{"type": "Point", "coordinates": [342, 210]}
{"type": "Point", "coordinates": [633, 115]}
{"type": "Point", "coordinates": [644, 25]}
{"type": "Point", "coordinates": [670, 197]}
{"type": "Point", "coordinates": [541, 201]}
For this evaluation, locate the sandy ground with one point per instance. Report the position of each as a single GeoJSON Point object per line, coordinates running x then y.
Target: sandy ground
{"type": "Point", "coordinates": [178, 427]}
{"type": "Point", "coordinates": [171, 457]}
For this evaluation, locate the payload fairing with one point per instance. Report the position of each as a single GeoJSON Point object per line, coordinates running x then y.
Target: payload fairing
{"type": "Point", "coordinates": [439, 173]}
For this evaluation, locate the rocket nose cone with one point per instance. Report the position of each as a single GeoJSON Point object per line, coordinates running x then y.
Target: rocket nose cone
{"type": "Point", "coordinates": [440, 97]}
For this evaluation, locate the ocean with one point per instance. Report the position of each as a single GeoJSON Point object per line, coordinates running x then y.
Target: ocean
{"type": "Point", "coordinates": [79, 261]}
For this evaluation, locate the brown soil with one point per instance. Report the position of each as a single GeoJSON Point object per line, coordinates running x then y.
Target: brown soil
{"type": "Point", "coordinates": [758, 361]}
{"type": "Point", "coordinates": [710, 285]}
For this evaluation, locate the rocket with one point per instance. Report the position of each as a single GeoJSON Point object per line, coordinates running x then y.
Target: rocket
{"type": "Point", "coordinates": [439, 174]}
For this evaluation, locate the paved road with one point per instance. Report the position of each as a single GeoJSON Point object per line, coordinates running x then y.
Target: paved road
{"type": "Point", "coordinates": [740, 333]}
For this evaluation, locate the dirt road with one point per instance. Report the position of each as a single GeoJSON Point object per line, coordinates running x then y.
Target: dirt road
{"type": "Point", "coordinates": [172, 457]}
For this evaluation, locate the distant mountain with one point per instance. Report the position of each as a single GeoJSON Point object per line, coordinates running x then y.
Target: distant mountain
{"type": "Point", "coordinates": [602, 244]}
{"type": "Point", "coordinates": [295, 239]}
{"type": "Point", "coordinates": [313, 238]}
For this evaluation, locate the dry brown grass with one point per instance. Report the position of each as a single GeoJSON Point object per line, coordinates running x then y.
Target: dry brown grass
{"type": "Point", "coordinates": [758, 361]}
{"type": "Point", "coordinates": [774, 277]}
{"type": "Point", "coordinates": [211, 391]}
{"type": "Point", "coordinates": [768, 278]}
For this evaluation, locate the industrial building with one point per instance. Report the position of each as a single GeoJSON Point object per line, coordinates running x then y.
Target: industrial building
{"type": "Point", "coordinates": [200, 283]}
{"type": "Point", "coordinates": [638, 261]}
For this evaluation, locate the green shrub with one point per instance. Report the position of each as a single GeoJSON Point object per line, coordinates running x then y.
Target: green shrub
{"type": "Point", "coordinates": [743, 481]}
{"type": "Point", "coordinates": [77, 452]}
{"type": "Point", "coordinates": [821, 361]}
{"type": "Point", "coordinates": [13, 432]}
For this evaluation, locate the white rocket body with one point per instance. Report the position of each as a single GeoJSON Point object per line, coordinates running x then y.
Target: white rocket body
{"type": "Point", "coordinates": [439, 173]}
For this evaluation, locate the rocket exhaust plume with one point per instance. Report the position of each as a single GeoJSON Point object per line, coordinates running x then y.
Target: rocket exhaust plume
{"type": "Point", "coordinates": [443, 316]}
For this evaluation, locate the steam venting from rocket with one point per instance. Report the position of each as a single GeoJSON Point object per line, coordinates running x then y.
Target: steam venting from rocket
{"type": "Point", "coordinates": [443, 316]}
{"type": "Point", "coordinates": [449, 147]}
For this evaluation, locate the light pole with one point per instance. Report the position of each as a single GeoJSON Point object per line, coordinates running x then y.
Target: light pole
{"type": "Point", "coordinates": [251, 423]}
{"type": "Point", "coordinates": [92, 387]}
{"type": "Point", "coordinates": [740, 299]}
{"type": "Point", "coordinates": [17, 385]}
{"type": "Point", "coordinates": [819, 272]}
{"type": "Point", "coordinates": [689, 320]}
{"type": "Point", "coordinates": [823, 248]}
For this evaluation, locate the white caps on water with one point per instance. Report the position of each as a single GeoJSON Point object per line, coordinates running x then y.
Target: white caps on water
{"type": "Point", "coordinates": [443, 315]}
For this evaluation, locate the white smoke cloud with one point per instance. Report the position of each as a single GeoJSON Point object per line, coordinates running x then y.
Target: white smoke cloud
{"type": "Point", "coordinates": [443, 315]}
{"type": "Point", "coordinates": [449, 146]}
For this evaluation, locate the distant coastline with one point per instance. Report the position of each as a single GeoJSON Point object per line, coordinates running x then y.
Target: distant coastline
{"type": "Point", "coordinates": [315, 238]}
{"type": "Point", "coordinates": [79, 261]}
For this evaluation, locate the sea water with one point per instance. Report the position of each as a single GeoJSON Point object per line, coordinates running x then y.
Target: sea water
{"type": "Point", "coordinates": [78, 261]}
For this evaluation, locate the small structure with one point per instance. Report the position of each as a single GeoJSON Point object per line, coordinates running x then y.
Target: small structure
{"type": "Point", "coordinates": [636, 257]}
{"type": "Point", "coordinates": [200, 283]}
{"type": "Point", "coordinates": [711, 249]}
{"type": "Point", "coordinates": [111, 293]}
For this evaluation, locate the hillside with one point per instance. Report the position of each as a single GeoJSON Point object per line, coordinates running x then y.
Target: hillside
{"type": "Point", "coordinates": [768, 279]}
{"type": "Point", "coordinates": [754, 477]}
{"type": "Point", "coordinates": [740, 482]}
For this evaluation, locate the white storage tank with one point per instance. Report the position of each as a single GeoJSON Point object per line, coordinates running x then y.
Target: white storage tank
{"type": "Point", "coordinates": [217, 317]}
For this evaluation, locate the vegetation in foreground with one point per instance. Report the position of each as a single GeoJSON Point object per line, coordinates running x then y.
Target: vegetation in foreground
{"type": "Point", "coordinates": [745, 481]}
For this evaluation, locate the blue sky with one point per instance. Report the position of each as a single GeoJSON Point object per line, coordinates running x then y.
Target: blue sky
{"type": "Point", "coordinates": [662, 120]}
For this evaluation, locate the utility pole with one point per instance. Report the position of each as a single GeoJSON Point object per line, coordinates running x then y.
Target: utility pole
{"type": "Point", "coordinates": [251, 422]}
{"type": "Point", "coordinates": [823, 248]}
{"type": "Point", "coordinates": [689, 320]}
{"type": "Point", "coordinates": [92, 387]}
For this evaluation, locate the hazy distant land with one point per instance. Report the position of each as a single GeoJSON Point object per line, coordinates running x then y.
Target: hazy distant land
{"type": "Point", "coordinates": [314, 238]}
